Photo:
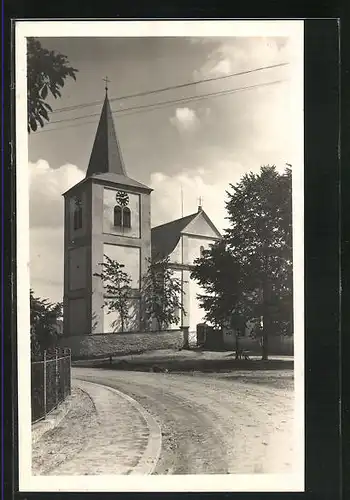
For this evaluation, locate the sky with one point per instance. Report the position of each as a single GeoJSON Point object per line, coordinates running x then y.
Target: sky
{"type": "Point", "coordinates": [202, 145]}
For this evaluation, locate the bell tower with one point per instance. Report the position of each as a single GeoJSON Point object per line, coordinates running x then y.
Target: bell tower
{"type": "Point", "coordinates": [107, 213]}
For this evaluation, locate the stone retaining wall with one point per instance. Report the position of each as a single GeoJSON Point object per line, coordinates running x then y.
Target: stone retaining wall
{"type": "Point", "coordinates": [108, 344]}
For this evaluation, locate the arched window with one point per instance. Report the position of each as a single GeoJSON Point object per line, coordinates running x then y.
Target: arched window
{"type": "Point", "coordinates": [201, 250]}
{"type": "Point", "coordinates": [77, 214]}
{"type": "Point", "coordinates": [126, 217]}
{"type": "Point", "coordinates": [117, 216]}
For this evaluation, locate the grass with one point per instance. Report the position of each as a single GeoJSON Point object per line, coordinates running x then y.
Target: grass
{"type": "Point", "coordinates": [188, 361]}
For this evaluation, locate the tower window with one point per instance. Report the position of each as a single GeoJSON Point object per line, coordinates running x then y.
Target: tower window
{"type": "Point", "coordinates": [118, 216]}
{"type": "Point", "coordinates": [122, 216]}
{"type": "Point", "coordinates": [122, 213]}
{"type": "Point", "coordinates": [77, 214]}
{"type": "Point", "coordinates": [126, 217]}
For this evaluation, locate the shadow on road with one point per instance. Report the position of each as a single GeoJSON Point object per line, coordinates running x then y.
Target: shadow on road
{"type": "Point", "coordinates": [189, 365]}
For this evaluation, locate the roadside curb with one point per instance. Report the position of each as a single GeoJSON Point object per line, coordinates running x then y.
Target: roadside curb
{"type": "Point", "coordinates": [147, 463]}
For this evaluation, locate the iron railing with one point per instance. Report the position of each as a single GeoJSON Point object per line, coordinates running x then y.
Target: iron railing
{"type": "Point", "coordinates": [50, 381]}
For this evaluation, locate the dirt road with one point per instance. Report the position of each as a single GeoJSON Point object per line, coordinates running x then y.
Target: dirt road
{"type": "Point", "coordinates": [212, 424]}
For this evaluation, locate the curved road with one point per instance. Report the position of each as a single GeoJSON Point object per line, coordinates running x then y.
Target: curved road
{"type": "Point", "coordinates": [211, 424]}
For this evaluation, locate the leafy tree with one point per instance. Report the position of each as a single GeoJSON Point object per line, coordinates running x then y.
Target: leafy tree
{"type": "Point", "coordinates": [117, 290]}
{"type": "Point", "coordinates": [161, 294]}
{"type": "Point", "coordinates": [44, 317]}
{"type": "Point", "coordinates": [260, 239]}
{"type": "Point", "coordinates": [46, 73]}
{"type": "Point", "coordinates": [219, 275]}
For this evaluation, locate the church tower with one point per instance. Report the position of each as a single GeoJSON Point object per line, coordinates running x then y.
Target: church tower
{"type": "Point", "coordinates": [107, 213]}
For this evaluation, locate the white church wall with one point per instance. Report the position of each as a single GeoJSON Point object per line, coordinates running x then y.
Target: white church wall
{"type": "Point", "coordinates": [195, 245]}
{"type": "Point", "coordinates": [199, 226]}
{"type": "Point", "coordinates": [130, 257]}
{"type": "Point", "coordinates": [177, 275]}
{"type": "Point", "coordinates": [189, 248]}
{"type": "Point", "coordinates": [77, 316]}
{"type": "Point", "coordinates": [112, 321]}
{"type": "Point", "coordinates": [175, 256]}
{"type": "Point", "coordinates": [77, 268]}
{"type": "Point", "coordinates": [194, 248]}
{"type": "Point", "coordinates": [109, 203]}
{"type": "Point", "coordinates": [196, 314]}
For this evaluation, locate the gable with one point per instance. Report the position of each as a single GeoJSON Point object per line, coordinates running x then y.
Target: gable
{"type": "Point", "coordinates": [165, 237]}
{"type": "Point", "coordinates": [202, 226]}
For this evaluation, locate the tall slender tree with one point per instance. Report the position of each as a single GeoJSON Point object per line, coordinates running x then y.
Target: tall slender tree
{"type": "Point", "coordinates": [117, 290]}
{"type": "Point", "coordinates": [161, 294]}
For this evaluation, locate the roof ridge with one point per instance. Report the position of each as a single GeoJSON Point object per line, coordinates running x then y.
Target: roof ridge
{"type": "Point", "coordinates": [175, 220]}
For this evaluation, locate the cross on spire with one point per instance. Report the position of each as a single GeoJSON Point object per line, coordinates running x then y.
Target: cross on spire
{"type": "Point", "coordinates": [200, 202]}
{"type": "Point", "coordinates": [106, 80]}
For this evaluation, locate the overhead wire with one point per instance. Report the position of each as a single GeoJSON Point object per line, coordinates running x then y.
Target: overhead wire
{"type": "Point", "coordinates": [153, 106]}
{"type": "Point", "coordinates": [172, 87]}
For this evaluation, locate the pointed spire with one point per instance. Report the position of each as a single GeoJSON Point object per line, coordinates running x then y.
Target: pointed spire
{"type": "Point", "coordinates": [106, 156]}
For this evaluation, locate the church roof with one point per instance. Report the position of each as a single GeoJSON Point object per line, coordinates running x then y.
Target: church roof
{"type": "Point", "coordinates": [106, 156]}
{"type": "Point", "coordinates": [113, 179]}
{"type": "Point", "coordinates": [165, 237]}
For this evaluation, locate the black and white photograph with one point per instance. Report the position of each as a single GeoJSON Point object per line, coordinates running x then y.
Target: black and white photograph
{"type": "Point", "coordinates": [160, 255]}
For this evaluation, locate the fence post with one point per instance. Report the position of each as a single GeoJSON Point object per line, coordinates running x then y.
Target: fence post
{"type": "Point", "coordinates": [56, 375]}
{"type": "Point", "coordinates": [70, 372]}
{"type": "Point", "coordinates": [44, 377]}
{"type": "Point", "coordinates": [66, 361]}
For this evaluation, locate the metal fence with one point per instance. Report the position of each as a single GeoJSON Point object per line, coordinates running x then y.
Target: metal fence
{"type": "Point", "coordinates": [50, 381]}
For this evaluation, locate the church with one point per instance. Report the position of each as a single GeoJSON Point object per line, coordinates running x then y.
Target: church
{"type": "Point", "coordinates": [109, 213]}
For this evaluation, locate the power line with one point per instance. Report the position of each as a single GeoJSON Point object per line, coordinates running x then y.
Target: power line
{"type": "Point", "coordinates": [173, 87]}
{"type": "Point", "coordinates": [150, 107]}
{"type": "Point", "coordinates": [162, 104]}
{"type": "Point", "coordinates": [155, 106]}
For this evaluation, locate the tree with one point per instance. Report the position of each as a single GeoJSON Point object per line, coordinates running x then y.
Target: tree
{"type": "Point", "coordinates": [46, 73]}
{"type": "Point", "coordinates": [117, 289]}
{"type": "Point", "coordinates": [161, 294]}
{"type": "Point", "coordinates": [260, 239]}
{"type": "Point", "coordinates": [219, 275]}
{"type": "Point", "coordinates": [44, 317]}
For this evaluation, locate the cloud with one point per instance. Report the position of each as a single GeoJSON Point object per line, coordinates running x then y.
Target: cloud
{"type": "Point", "coordinates": [46, 214]}
{"type": "Point", "coordinates": [45, 192]}
{"type": "Point", "coordinates": [46, 262]}
{"type": "Point", "coordinates": [210, 186]}
{"type": "Point", "coordinates": [261, 124]}
{"type": "Point", "coordinates": [185, 119]}
{"type": "Point", "coordinates": [238, 54]}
